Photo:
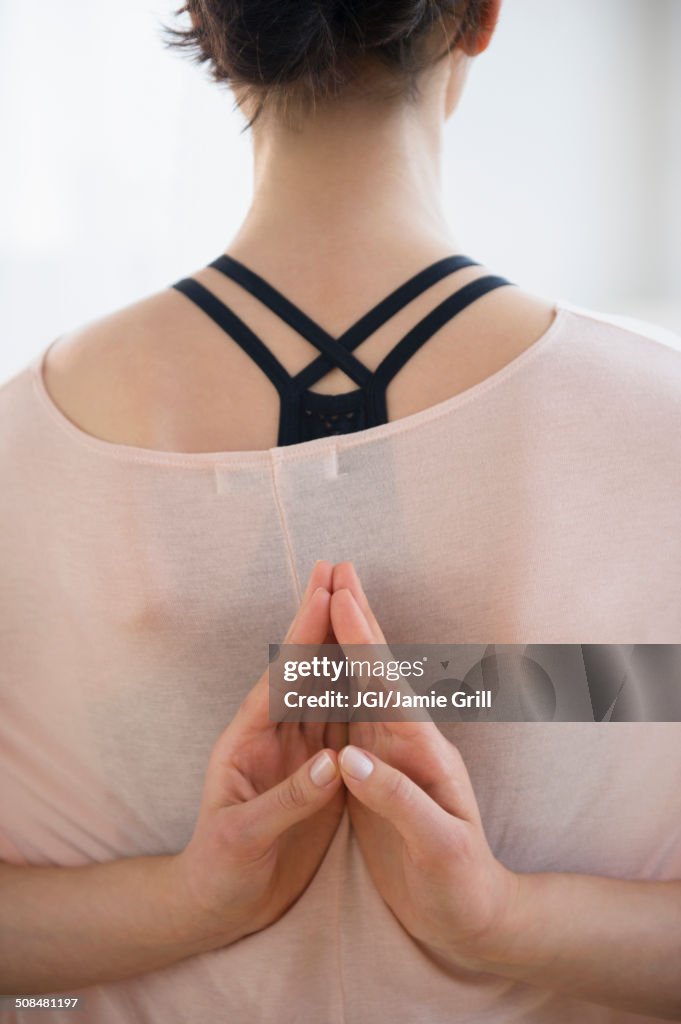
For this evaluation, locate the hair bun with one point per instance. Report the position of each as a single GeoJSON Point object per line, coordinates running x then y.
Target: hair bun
{"type": "Point", "coordinates": [385, 22]}
{"type": "Point", "coordinates": [272, 42]}
{"type": "Point", "coordinates": [269, 44]}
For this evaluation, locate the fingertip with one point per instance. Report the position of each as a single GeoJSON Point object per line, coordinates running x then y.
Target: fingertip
{"type": "Point", "coordinates": [326, 595]}
{"type": "Point", "coordinates": [322, 570]}
{"type": "Point", "coordinates": [346, 613]}
{"type": "Point", "coordinates": [347, 563]}
{"type": "Point", "coordinates": [324, 768]}
{"type": "Point", "coordinates": [344, 573]}
{"type": "Point", "coordinates": [355, 763]}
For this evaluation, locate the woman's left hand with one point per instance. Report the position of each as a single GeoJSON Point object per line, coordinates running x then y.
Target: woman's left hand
{"type": "Point", "coordinates": [606, 940]}
{"type": "Point", "coordinates": [416, 818]}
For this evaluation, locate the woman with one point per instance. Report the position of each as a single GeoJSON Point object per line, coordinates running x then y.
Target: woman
{"type": "Point", "coordinates": [177, 494]}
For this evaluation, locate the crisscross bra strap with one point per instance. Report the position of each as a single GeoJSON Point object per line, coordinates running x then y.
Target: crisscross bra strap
{"type": "Point", "coordinates": [421, 333]}
{"type": "Point", "coordinates": [356, 334]}
{"type": "Point", "coordinates": [233, 325]}
{"type": "Point", "coordinates": [302, 409]}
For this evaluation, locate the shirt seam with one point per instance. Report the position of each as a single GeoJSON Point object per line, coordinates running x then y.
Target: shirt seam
{"type": "Point", "coordinates": [339, 923]}
{"type": "Point", "coordinates": [284, 527]}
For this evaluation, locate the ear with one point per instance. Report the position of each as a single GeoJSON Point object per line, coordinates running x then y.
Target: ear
{"type": "Point", "coordinates": [474, 43]}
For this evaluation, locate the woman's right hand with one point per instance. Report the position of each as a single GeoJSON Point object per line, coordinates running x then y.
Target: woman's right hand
{"type": "Point", "coordinates": [271, 803]}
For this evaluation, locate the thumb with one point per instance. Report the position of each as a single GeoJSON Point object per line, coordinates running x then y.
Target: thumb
{"type": "Point", "coordinates": [263, 819]}
{"type": "Point", "coordinates": [395, 797]}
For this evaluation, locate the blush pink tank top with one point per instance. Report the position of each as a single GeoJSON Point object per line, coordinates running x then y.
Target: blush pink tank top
{"type": "Point", "coordinates": [139, 591]}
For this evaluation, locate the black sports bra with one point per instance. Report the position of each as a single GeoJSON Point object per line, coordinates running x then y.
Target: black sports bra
{"type": "Point", "coordinates": [304, 414]}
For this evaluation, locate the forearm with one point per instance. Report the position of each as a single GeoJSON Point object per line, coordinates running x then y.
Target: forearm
{"type": "Point", "coordinates": [604, 940]}
{"type": "Point", "coordinates": [68, 927]}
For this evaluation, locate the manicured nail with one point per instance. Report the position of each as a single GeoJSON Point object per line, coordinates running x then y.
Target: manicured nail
{"type": "Point", "coordinates": [322, 770]}
{"type": "Point", "coordinates": [355, 763]}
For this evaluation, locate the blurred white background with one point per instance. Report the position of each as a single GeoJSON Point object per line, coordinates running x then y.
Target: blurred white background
{"type": "Point", "coordinates": [124, 168]}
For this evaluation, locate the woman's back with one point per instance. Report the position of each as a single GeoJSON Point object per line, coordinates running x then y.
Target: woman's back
{"type": "Point", "coordinates": [141, 588]}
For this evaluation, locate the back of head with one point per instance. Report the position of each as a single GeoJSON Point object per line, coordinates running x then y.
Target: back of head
{"type": "Point", "coordinates": [290, 53]}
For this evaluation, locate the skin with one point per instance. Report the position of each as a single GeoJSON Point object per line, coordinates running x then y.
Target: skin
{"type": "Point", "coordinates": [335, 234]}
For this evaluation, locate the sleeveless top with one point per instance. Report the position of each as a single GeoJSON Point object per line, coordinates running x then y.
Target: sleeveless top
{"type": "Point", "coordinates": [139, 590]}
{"type": "Point", "coordinates": [304, 414]}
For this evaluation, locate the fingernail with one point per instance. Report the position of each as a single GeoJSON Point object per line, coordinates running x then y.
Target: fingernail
{"type": "Point", "coordinates": [355, 763]}
{"type": "Point", "coordinates": [322, 770]}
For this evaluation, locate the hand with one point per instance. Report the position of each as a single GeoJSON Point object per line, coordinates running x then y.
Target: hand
{"type": "Point", "coordinates": [272, 801]}
{"type": "Point", "coordinates": [416, 818]}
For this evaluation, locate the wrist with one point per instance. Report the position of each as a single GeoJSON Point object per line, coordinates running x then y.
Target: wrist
{"type": "Point", "coordinates": [518, 943]}
{"type": "Point", "coordinates": [196, 924]}
{"type": "Point", "coordinates": [494, 947]}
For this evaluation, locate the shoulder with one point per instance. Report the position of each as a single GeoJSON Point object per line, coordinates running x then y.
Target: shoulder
{"type": "Point", "coordinates": [156, 374]}
{"type": "Point", "coordinates": [622, 358]}
{"type": "Point", "coordinates": [153, 374]}
{"type": "Point", "coordinates": [633, 337]}
{"type": "Point", "coordinates": [610, 400]}
{"type": "Point", "coordinates": [109, 373]}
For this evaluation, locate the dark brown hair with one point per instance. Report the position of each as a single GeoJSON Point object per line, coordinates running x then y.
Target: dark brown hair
{"type": "Point", "coordinates": [289, 50]}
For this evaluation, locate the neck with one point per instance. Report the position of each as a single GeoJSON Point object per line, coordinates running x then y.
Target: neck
{"type": "Point", "coordinates": [350, 187]}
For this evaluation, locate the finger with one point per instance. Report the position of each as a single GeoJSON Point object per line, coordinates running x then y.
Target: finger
{"type": "Point", "coordinates": [320, 578]}
{"type": "Point", "coordinates": [440, 766]}
{"type": "Point", "coordinates": [350, 624]}
{"type": "Point", "coordinates": [309, 627]}
{"type": "Point", "coordinates": [312, 621]}
{"type": "Point", "coordinates": [421, 751]}
{"type": "Point", "coordinates": [351, 627]}
{"type": "Point", "coordinates": [345, 575]}
{"type": "Point", "coordinates": [435, 765]}
{"type": "Point", "coordinates": [265, 818]}
{"type": "Point", "coordinates": [394, 796]}
{"type": "Point", "coordinates": [321, 575]}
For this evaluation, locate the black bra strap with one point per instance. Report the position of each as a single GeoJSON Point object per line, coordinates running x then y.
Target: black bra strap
{"type": "Point", "coordinates": [354, 335]}
{"type": "Point", "coordinates": [223, 316]}
{"type": "Point", "coordinates": [421, 333]}
{"type": "Point", "coordinates": [294, 317]}
{"type": "Point", "coordinates": [387, 308]}
{"type": "Point", "coordinates": [338, 350]}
